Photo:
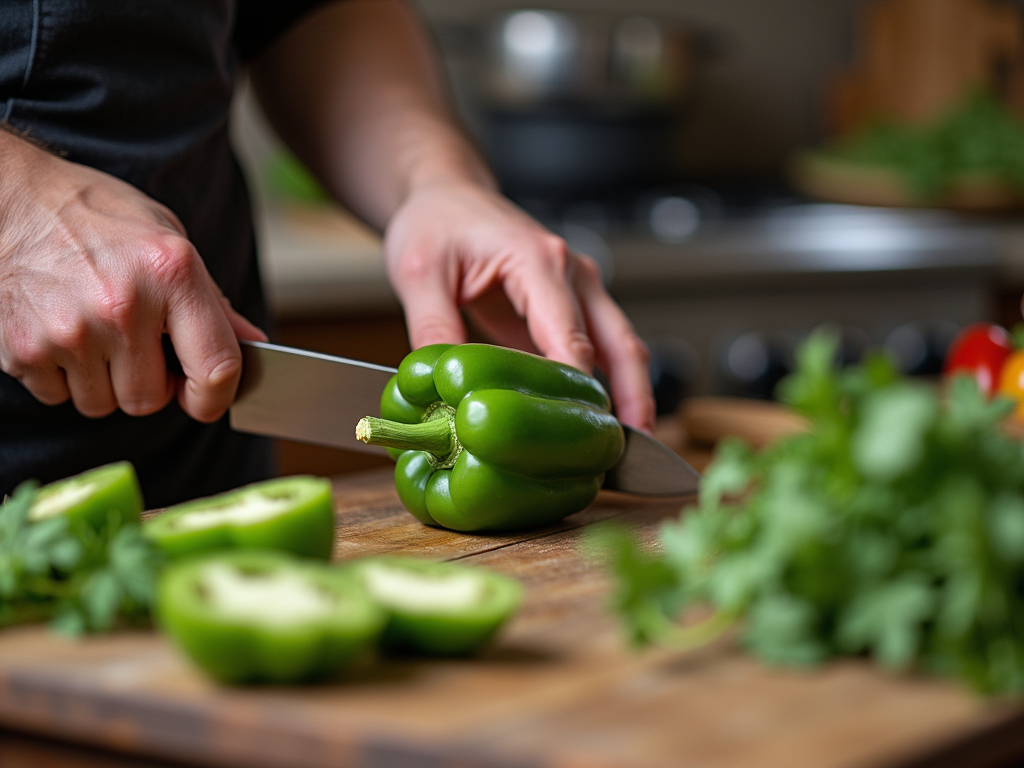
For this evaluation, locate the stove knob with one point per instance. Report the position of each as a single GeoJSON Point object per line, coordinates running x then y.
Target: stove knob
{"type": "Point", "coordinates": [588, 242]}
{"type": "Point", "coordinates": [919, 348]}
{"type": "Point", "coordinates": [907, 347]}
{"type": "Point", "coordinates": [673, 219]}
{"type": "Point", "coordinates": [853, 343]}
{"type": "Point", "coordinates": [752, 364]}
{"type": "Point", "coordinates": [672, 366]}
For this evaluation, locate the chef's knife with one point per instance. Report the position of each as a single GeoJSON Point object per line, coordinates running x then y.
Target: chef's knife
{"type": "Point", "coordinates": [317, 398]}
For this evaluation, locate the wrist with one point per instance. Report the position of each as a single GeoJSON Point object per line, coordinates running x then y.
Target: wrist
{"type": "Point", "coordinates": [15, 140]}
{"type": "Point", "coordinates": [12, 149]}
{"type": "Point", "coordinates": [19, 151]}
{"type": "Point", "coordinates": [16, 154]}
{"type": "Point", "coordinates": [29, 173]}
{"type": "Point", "coordinates": [449, 159]}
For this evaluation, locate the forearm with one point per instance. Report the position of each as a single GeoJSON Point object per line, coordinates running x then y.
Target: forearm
{"type": "Point", "coordinates": [354, 90]}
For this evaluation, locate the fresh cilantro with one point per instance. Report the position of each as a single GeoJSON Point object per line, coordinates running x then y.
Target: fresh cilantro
{"type": "Point", "coordinates": [893, 529]}
{"type": "Point", "coordinates": [980, 136]}
{"type": "Point", "coordinates": [80, 579]}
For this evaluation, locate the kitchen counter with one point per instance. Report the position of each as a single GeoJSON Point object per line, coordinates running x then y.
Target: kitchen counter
{"type": "Point", "coordinates": [321, 260]}
{"type": "Point", "coordinates": [558, 688]}
{"type": "Point", "coordinates": [788, 244]}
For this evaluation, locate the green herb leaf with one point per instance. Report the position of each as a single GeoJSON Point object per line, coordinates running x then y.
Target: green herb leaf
{"type": "Point", "coordinates": [890, 438]}
{"type": "Point", "coordinates": [82, 580]}
{"type": "Point", "coordinates": [887, 620]}
{"type": "Point", "coordinates": [980, 136]}
{"type": "Point", "coordinates": [894, 528]}
{"type": "Point", "coordinates": [646, 587]}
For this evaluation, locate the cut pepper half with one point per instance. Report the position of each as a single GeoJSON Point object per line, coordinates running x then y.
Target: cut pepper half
{"type": "Point", "coordinates": [438, 609]}
{"type": "Point", "coordinates": [291, 514]}
{"type": "Point", "coordinates": [92, 498]}
{"type": "Point", "coordinates": [264, 617]}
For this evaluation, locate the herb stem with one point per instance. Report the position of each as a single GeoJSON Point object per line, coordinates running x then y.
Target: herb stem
{"type": "Point", "coordinates": [696, 635]}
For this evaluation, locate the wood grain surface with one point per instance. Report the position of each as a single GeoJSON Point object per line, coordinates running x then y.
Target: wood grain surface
{"type": "Point", "coordinates": [557, 690]}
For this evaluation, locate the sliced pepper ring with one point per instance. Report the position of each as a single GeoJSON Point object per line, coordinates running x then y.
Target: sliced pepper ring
{"type": "Point", "coordinates": [264, 617]}
{"type": "Point", "coordinates": [437, 609]}
{"type": "Point", "coordinates": [92, 498]}
{"type": "Point", "coordinates": [290, 514]}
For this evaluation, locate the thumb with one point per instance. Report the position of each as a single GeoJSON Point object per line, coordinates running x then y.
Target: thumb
{"type": "Point", "coordinates": [206, 342]}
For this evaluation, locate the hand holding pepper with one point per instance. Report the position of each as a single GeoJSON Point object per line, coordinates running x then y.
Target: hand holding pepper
{"type": "Point", "coordinates": [518, 282]}
{"type": "Point", "coordinates": [354, 90]}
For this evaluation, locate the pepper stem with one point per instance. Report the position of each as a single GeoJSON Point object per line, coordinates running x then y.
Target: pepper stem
{"type": "Point", "coordinates": [435, 436]}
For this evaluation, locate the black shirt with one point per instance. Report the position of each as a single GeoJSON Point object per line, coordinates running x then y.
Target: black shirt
{"type": "Point", "coordinates": [141, 89]}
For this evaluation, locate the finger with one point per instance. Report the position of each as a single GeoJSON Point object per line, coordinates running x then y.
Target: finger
{"type": "Point", "coordinates": [621, 353]}
{"type": "Point", "coordinates": [428, 296]}
{"type": "Point", "coordinates": [494, 316]}
{"type": "Point", "coordinates": [206, 346]}
{"type": "Point", "coordinates": [543, 294]}
{"type": "Point", "coordinates": [88, 378]}
{"type": "Point", "coordinates": [242, 328]}
{"type": "Point", "coordinates": [47, 385]}
{"type": "Point", "coordinates": [169, 217]}
{"type": "Point", "coordinates": [139, 376]}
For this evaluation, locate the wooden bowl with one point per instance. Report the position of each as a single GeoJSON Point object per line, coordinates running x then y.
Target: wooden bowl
{"type": "Point", "coordinates": [826, 177]}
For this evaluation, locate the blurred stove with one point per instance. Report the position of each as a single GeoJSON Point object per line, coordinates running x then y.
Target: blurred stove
{"type": "Point", "coordinates": [723, 281]}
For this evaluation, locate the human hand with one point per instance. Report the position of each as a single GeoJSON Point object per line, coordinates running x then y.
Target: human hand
{"type": "Point", "coordinates": [460, 245]}
{"type": "Point", "coordinates": [92, 274]}
{"type": "Point", "coordinates": [354, 90]}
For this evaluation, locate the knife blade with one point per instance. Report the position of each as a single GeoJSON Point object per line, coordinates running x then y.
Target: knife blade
{"type": "Point", "coordinates": [316, 398]}
{"type": "Point", "coordinates": [306, 396]}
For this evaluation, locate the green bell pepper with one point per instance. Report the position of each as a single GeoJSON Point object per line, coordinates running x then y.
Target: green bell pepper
{"type": "Point", "coordinates": [290, 514]}
{"type": "Point", "coordinates": [92, 498]}
{"type": "Point", "coordinates": [264, 617]}
{"type": "Point", "coordinates": [493, 438]}
{"type": "Point", "coordinates": [437, 609]}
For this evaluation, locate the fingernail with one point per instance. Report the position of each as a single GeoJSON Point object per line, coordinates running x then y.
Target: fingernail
{"type": "Point", "coordinates": [224, 371]}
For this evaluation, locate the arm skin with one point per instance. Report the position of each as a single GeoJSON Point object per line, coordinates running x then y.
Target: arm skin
{"type": "Point", "coordinates": [354, 90]}
{"type": "Point", "coordinates": [92, 274]}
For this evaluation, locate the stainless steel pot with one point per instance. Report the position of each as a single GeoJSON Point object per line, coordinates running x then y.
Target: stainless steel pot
{"type": "Point", "coordinates": [544, 57]}
{"type": "Point", "coordinates": [581, 103]}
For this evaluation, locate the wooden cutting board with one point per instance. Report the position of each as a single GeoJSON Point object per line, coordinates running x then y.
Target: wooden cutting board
{"type": "Point", "coordinates": [558, 689]}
